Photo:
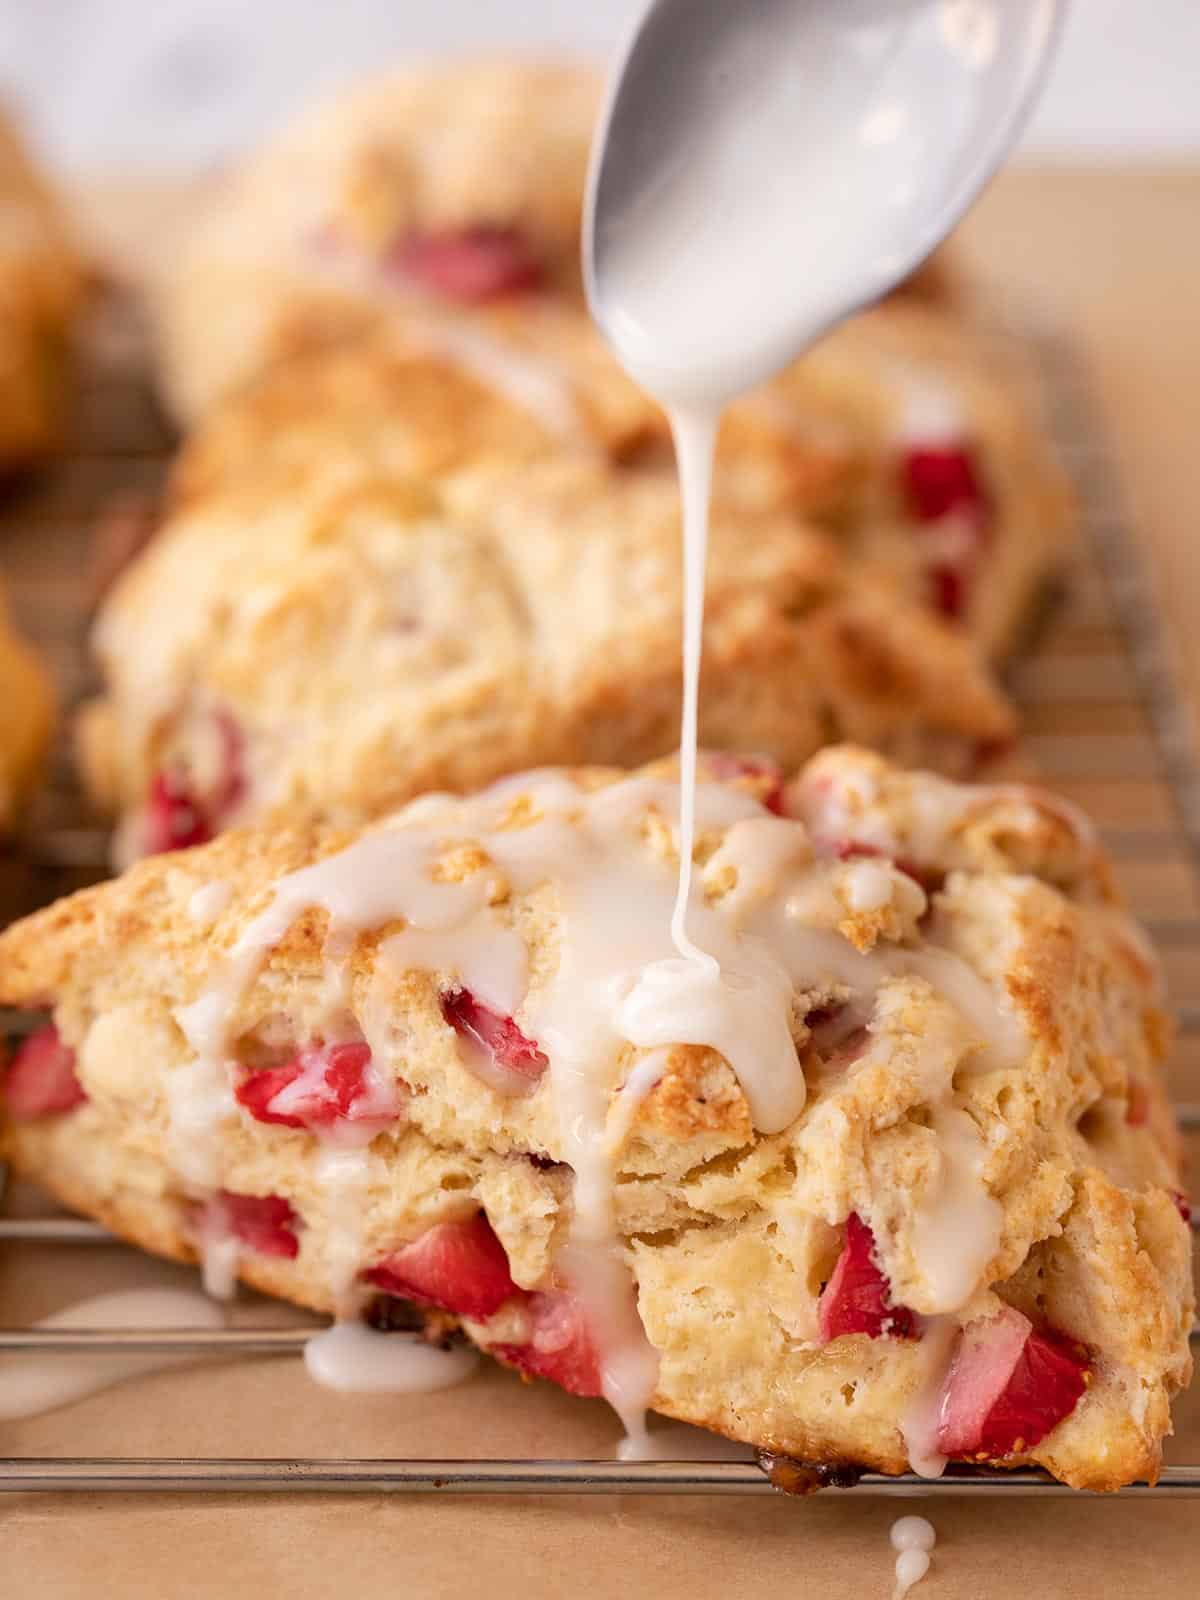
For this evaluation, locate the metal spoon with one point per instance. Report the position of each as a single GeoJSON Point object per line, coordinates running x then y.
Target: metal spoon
{"type": "Point", "coordinates": [765, 167]}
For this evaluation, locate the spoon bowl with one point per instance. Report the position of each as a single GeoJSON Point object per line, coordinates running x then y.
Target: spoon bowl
{"type": "Point", "coordinates": [763, 168]}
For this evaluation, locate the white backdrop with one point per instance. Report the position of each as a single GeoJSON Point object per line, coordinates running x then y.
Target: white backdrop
{"type": "Point", "coordinates": [176, 83]}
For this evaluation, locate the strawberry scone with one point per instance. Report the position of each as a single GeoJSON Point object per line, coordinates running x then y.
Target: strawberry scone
{"type": "Point", "coordinates": [886, 1175]}
{"type": "Point", "coordinates": [26, 722]}
{"type": "Point", "coordinates": [367, 637]}
{"type": "Point", "coordinates": [421, 191]}
{"type": "Point", "coordinates": [908, 435]}
{"type": "Point", "coordinates": [40, 290]}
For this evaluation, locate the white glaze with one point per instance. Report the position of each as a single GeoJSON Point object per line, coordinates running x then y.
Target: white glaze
{"type": "Point", "coordinates": [911, 1567]}
{"type": "Point", "coordinates": [956, 1226]}
{"type": "Point", "coordinates": [919, 1424]}
{"type": "Point", "coordinates": [209, 901]}
{"type": "Point", "coordinates": [355, 1359]}
{"type": "Point", "coordinates": [31, 1384]}
{"type": "Point", "coordinates": [913, 1533]}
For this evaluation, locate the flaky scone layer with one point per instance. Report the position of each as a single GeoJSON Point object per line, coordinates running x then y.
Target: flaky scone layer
{"type": "Point", "coordinates": [40, 289]}
{"type": "Point", "coordinates": [1005, 1001]}
{"type": "Point", "coordinates": [367, 637]}
{"type": "Point", "coordinates": [28, 701]}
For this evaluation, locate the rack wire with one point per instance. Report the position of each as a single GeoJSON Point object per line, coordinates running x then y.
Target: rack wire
{"type": "Point", "coordinates": [1105, 724]}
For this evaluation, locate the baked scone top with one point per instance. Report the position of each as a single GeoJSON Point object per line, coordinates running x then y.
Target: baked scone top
{"type": "Point", "coordinates": [939, 1025]}
{"type": "Point", "coordinates": [369, 636]}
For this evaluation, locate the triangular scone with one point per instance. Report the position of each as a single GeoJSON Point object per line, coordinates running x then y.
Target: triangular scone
{"type": "Point", "coordinates": [902, 1184]}
{"type": "Point", "coordinates": [365, 639]}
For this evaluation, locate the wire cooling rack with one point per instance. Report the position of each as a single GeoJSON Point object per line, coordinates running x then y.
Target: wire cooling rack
{"type": "Point", "coordinates": [1104, 723]}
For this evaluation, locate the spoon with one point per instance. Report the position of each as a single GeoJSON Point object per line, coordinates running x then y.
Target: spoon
{"type": "Point", "coordinates": [763, 168]}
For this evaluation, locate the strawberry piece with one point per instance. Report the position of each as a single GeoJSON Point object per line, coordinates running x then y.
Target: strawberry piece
{"type": "Point", "coordinates": [949, 590]}
{"type": "Point", "coordinates": [942, 480]}
{"type": "Point", "coordinates": [858, 1297]}
{"type": "Point", "coordinates": [41, 1081]}
{"type": "Point", "coordinates": [559, 1348]}
{"type": "Point", "coordinates": [264, 1223]}
{"type": "Point", "coordinates": [1182, 1204]}
{"type": "Point", "coordinates": [727, 768]}
{"type": "Point", "coordinates": [457, 1266]}
{"type": "Point", "coordinates": [179, 813]}
{"type": "Point", "coordinates": [1007, 1387]}
{"type": "Point", "coordinates": [174, 817]}
{"type": "Point", "coordinates": [470, 265]}
{"type": "Point", "coordinates": [498, 1036]}
{"type": "Point", "coordinates": [318, 1087]}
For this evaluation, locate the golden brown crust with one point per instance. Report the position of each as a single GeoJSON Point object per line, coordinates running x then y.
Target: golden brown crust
{"type": "Point", "coordinates": [725, 1229]}
{"type": "Point", "coordinates": [28, 701]}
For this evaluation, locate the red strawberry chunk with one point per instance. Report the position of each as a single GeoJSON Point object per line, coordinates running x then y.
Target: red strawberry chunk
{"type": "Point", "coordinates": [858, 1297]}
{"type": "Point", "coordinates": [727, 768]}
{"type": "Point", "coordinates": [321, 1086]}
{"type": "Point", "coordinates": [174, 817]}
{"type": "Point", "coordinates": [941, 480]}
{"type": "Point", "coordinates": [180, 812]}
{"type": "Point", "coordinates": [264, 1223]}
{"type": "Point", "coordinates": [1007, 1387]}
{"type": "Point", "coordinates": [560, 1346]}
{"type": "Point", "coordinates": [41, 1080]}
{"type": "Point", "coordinates": [949, 590]}
{"type": "Point", "coordinates": [471, 265]}
{"type": "Point", "coordinates": [458, 1266]}
{"type": "Point", "coordinates": [498, 1036]}
{"type": "Point", "coordinates": [1182, 1204]}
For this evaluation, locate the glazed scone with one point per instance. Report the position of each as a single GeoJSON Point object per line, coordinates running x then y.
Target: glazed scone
{"type": "Point", "coordinates": [358, 641]}
{"type": "Point", "coordinates": [25, 727]}
{"type": "Point", "coordinates": [900, 1183]}
{"type": "Point", "coordinates": [423, 188]}
{"type": "Point", "coordinates": [909, 435]}
{"type": "Point", "coordinates": [40, 289]}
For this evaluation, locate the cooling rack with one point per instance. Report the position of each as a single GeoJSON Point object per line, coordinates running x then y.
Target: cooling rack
{"type": "Point", "coordinates": [1104, 722]}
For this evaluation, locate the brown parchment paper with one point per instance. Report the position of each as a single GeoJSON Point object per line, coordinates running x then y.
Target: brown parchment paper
{"type": "Point", "coordinates": [409, 1547]}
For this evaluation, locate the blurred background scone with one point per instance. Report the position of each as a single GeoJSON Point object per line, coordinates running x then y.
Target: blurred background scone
{"type": "Point", "coordinates": [40, 289]}
{"type": "Point", "coordinates": [424, 188]}
{"type": "Point", "coordinates": [368, 636]}
{"type": "Point", "coordinates": [26, 719]}
{"type": "Point", "coordinates": [907, 434]}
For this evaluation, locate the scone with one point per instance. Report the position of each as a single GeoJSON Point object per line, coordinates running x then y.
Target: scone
{"type": "Point", "coordinates": [26, 722]}
{"type": "Point", "coordinates": [910, 436]}
{"type": "Point", "coordinates": [424, 188]}
{"type": "Point", "coordinates": [360, 640]}
{"type": "Point", "coordinates": [40, 289]}
{"type": "Point", "coordinates": [898, 1184]}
